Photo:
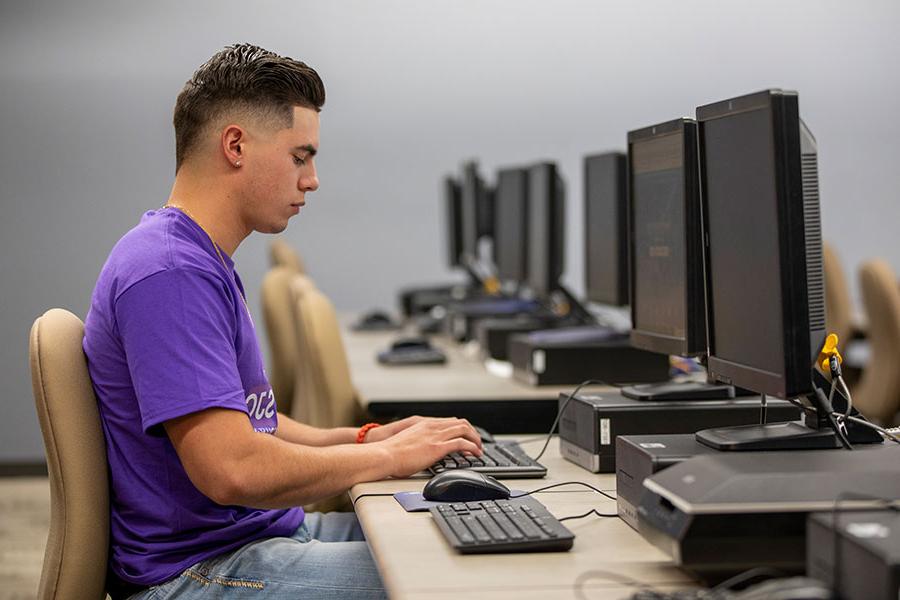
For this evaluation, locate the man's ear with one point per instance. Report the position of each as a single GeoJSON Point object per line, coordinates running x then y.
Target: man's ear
{"type": "Point", "coordinates": [233, 139]}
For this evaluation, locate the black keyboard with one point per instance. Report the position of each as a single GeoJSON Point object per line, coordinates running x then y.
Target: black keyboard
{"type": "Point", "coordinates": [421, 356]}
{"type": "Point", "coordinates": [503, 459]}
{"type": "Point", "coordinates": [515, 525]}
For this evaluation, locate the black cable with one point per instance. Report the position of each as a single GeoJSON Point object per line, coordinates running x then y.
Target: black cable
{"type": "Point", "coordinates": [355, 500]}
{"type": "Point", "coordinates": [583, 578]}
{"type": "Point", "coordinates": [562, 408]}
{"type": "Point", "coordinates": [729, 584]}
{"type": "Point", "coordinates": [547, 487]}
{"type": "Point", "coordinates": [593, 511]}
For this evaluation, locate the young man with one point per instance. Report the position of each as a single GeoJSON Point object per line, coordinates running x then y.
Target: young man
{"type": "Point", "coordinates": [204, 491]}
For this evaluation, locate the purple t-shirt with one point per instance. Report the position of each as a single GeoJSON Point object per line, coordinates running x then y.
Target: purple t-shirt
{"type": "Point", "coordinates": [167, 335]}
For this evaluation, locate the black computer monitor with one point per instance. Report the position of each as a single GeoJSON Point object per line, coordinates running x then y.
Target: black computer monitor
{"type": "Point", "coordinates": [606, 229]}
{"type": "Point", "coordinates": [546, 229]}
{"type": "Point", "coordinates": [510, 225]}
{"type": "Point", "coordinates": [453, 212]}
{"type": "Point", "coordinates": [477, 211]}
{"type": "Point", "coordinates": [764, 263]}
{"type": "Point", "coordinates": [668, 300]}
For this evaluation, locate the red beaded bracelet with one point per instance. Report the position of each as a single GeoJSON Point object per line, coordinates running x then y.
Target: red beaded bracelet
{"type": "Point", "coordinates": [361, 434]}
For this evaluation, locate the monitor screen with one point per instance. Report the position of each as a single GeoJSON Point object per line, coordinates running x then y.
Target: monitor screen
{"type": "Point", "coordinates": [764, 253]}
{"type": "Point", "coordinates": [510, 225]}
{"type": "Point", "coordinates": [546, 212]}
{"type": "Point", "coordinates": [472, 196]}
{"type": "Point", "coordinates": [606, 229]}
{"type": "Point", "coordinates": [453, 230]}
{"type": "Point", "coordinates": [667, 300]}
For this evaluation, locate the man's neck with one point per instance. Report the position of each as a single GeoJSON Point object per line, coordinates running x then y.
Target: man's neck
{"type": "Point", "coordinates": [211, 207]}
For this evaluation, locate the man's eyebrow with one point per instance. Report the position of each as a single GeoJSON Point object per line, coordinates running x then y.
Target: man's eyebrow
{"type": "Point", "coordinates": [307, 148]}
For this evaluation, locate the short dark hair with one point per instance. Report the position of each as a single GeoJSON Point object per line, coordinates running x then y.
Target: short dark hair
{"type": "Point", "coordinates": [243, 77]}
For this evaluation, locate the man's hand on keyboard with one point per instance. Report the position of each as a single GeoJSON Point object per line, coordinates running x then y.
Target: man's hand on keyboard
{"type": "Point", "coordinates": [421, 443]}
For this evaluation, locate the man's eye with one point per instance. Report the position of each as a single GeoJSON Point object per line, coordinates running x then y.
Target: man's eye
{"type": "Point", "coordinates": [299, 161]}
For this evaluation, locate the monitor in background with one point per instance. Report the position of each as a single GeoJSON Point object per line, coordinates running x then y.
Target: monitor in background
{"type": "Point", "coordinates": [606, 229]}
{"type": "Point", "coordinates": [546, 229]}
{"type": "Point", "coordinates": [764, 267]}
{"type": "Point", "coordinates": [453, 208]}
{"type": "Point", "coordinates": [510, 226]}
{"type": "Point", "coordinates": [668, 300]}
{"type": "Point", "coordinates": [476, 213]}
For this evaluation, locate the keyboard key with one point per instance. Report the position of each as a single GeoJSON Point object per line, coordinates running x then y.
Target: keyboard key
{"type": "Point", "coordinates": [508, 527]}
{"type": "Point", "coordinates": [460, 530]}
{"type": "Point", "coordinates": [529, 529]}
{"type": "Point", "coordinates": [477, 530]}
{"type": "Point", "coordinates": [491, 527]}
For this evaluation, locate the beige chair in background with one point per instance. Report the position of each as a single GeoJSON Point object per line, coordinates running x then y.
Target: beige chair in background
{"type": "Point", "coordinates": [281, 331]}
{"type": "Point", "coordinates": [877, 395]}
{"type": "Point", "coordinates": [281, 254]}
{"type": "Point", "coordinates": [324, 393]}
{"type": "Point", "coordinates": [838, 303]}
{"type": "Point", "coordinates": [76, 556]}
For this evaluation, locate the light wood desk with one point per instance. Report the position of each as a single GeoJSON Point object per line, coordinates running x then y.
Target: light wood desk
{"type": "Point", "coordinates": [462, 387]}
{"type": "Point", "coordinates": [415, 560]}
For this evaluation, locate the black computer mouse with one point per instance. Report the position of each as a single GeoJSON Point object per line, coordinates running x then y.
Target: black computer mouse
{"type": "Point", "coordinates": [410, 343]}
{"type": "Point", "coordinates": [463, 485]}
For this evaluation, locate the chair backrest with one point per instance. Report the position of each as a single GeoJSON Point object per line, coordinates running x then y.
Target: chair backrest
{"type": "Point", "coordinates": [281, 254]}
{"type": "Point", "coordinates": [838, 303]}
{"type": "Point", "coordinates": [281, 330]}
{"type": "Point", "coordinates": [76, 556]}
{"type": "Point", "coordinates": [325, 396]}
{"type": "Point", "coordinates": [877, 395]}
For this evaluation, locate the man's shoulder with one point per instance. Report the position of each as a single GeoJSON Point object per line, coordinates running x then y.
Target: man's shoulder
{"type": "Point", "coordinates": [160, 242]}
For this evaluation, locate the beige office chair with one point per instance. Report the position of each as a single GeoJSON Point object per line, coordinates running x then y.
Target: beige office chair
{"type": "Point", "coordinates": [324, 393]}
{"type": "Point", "coordinates": [839, 316]}
{"type": "Point", "coordinates": [281, 254]}
{"type": "Point", "coordinates": [76, 555]}
{"type": "Point", "coordinates": [877, 395]}
{"type": "Point", "coordinates": [281, 331]}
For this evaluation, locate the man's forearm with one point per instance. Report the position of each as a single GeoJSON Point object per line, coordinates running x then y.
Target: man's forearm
{"type": "Point", "coordinates": [279, 474]}
{"type": "Point", "coordinates": [295, 432]}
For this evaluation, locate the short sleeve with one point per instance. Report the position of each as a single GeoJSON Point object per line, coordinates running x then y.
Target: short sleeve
{"type": "Point", "coordinates": [178, 329]}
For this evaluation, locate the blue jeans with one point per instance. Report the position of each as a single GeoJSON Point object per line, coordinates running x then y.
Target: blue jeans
{"type": "Point", "coordinates": [327, 557]}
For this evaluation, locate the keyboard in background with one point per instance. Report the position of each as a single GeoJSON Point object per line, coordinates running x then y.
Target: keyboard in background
{"type": "Point", "coordinates": [514, 525]}
{"type": "Point", "coordinates": [500, 459]}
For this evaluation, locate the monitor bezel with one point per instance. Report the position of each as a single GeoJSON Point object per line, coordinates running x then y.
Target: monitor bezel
{"type": "Point", "coordinates": [522, 213]}
{"type": "Point", "coordinates": [694, 342]}
{"type": "Point", "coordinates": [452, 196]}
{"type": "Point", "coordinates": [618, 294]}
{"type": "Point", "coordinates": [555, 234]}
{"type": "Point", "coordinates": [799, 344]}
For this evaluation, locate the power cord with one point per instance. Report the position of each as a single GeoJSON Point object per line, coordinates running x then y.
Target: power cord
{"type": "Point", "coordinates": [890, 433]}
{"type": "Point", "coordinates": [563, 408]}
{"type": "Point", "coordinates": [555, 485]}
{"type": "Point", "coordinates": [593, 511]}
{"type": "Point", "coordinates": [358, 498]}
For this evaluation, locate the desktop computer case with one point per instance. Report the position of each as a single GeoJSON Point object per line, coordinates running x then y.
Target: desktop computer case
{"type": "Point", "coordinates": [724, 513]}
{"type": "Point", "coordinates": [590, 424]}
{"type": "Point", "coordinates": [639, 457]}
{"type": "Point", "coordinates": [860, 558]}
{"type": "Point", "coordinates": [562, 363]}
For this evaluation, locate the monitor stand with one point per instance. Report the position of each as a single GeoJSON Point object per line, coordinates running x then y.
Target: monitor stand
{"type": "Point", "coordinates": [817, 428]}
{"type": "Point", "coordinates": [678, 390]}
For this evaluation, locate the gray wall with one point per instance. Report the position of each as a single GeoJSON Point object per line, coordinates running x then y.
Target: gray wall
{"type": "Point", "coordinates": [87, 88]}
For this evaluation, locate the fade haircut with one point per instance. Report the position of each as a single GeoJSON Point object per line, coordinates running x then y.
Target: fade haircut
{"type": "Point", "coordinates": [244, 78]}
